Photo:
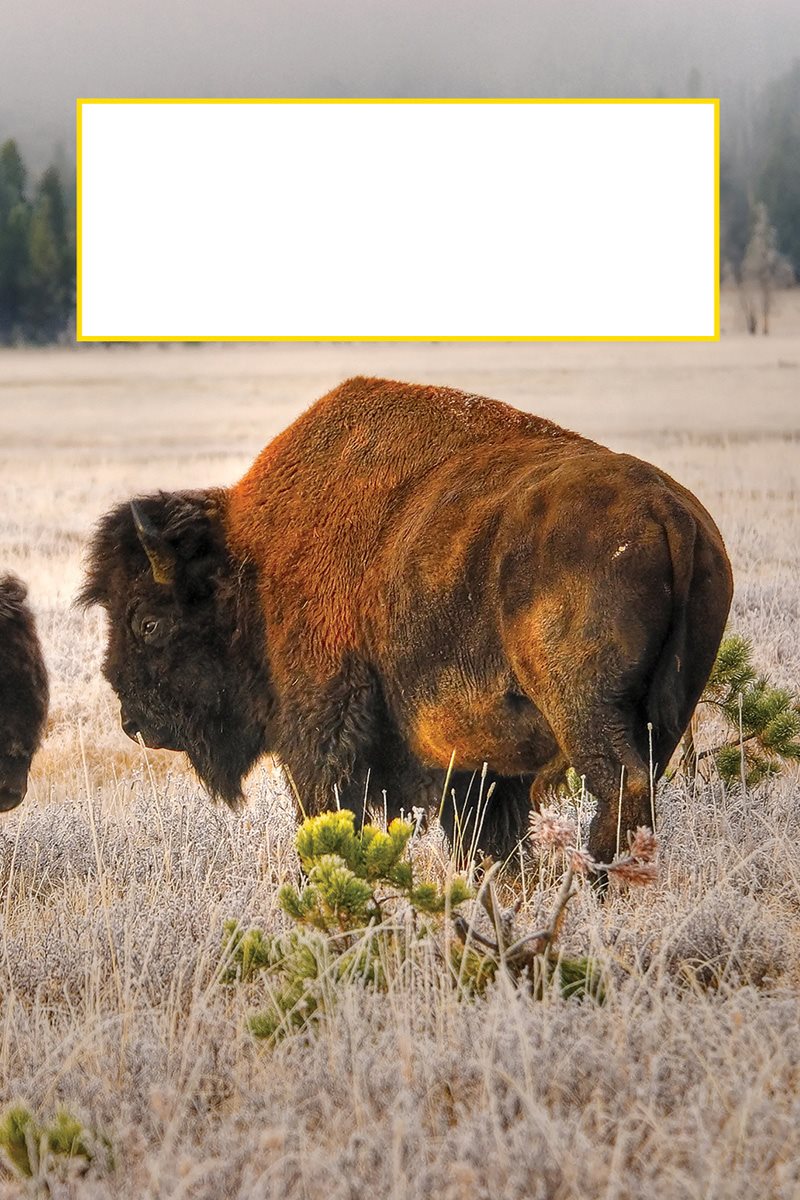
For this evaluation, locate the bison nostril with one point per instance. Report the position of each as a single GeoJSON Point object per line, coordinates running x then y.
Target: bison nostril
{"type": "Point", "coordinates": [131, 728]}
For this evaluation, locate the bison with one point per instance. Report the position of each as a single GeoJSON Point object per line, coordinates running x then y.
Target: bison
{"type": "Point", "coordinates": [23, 692]}
{"type": "Point", "coordinates": [411, 573]}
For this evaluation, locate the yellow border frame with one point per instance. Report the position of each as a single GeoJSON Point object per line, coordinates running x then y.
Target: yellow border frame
{"type": "Point", "coordinates": [713, 337]}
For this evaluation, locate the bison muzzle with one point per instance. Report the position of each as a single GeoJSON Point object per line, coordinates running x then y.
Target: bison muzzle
{"type": "Point", "coordinates": [409, 574]}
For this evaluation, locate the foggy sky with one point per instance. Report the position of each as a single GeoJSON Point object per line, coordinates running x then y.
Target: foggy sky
{"type": "Point", "coordinates": [51, 51]}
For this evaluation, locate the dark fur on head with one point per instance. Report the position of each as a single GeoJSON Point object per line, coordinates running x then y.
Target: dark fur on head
{"type": "Point", "coordinates": [24, 692]}
{"type": "Point", "coordinates": [185, 657]}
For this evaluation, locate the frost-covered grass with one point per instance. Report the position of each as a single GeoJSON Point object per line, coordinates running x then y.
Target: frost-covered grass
{"type": "Point", "coordinates": [117, 874]}
{"type": "Point", "coordinates": [684, 1083]}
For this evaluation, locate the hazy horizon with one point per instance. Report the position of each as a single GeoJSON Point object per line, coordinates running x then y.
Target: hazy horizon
{"type": "Point", "coordinates": [54, 54]}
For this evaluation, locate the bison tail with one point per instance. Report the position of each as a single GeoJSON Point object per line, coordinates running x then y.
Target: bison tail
{"type": "Point", "coordinates": [668, 697]}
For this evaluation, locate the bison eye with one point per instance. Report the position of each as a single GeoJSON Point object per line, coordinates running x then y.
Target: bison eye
{"type": "Point", "coordinates": [151, 629]}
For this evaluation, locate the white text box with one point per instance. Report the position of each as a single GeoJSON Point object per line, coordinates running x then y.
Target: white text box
{"type": "Point", "coordinates": [423, 219]}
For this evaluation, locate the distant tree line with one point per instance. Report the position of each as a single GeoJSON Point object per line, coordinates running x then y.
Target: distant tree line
{"type": "Point", "coordinates": [37, 252]}
{"type": "Point", "coordinates": [759, 217]}
{"type": "Point", "coordinates": [760, 195]}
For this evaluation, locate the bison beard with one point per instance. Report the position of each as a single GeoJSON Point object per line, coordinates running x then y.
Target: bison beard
{"type": "Point", "coordinates": [223, 760]}
{"type": "Point", "coordinates": [410, 571]}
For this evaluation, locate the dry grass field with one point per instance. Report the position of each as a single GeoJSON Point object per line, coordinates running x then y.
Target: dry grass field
{"type": "Point", "coordinates": [117, 873]}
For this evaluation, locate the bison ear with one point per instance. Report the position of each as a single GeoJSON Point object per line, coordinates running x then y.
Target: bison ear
{"type": "Point", "coordinates": [160, 555]}
{"type": "Point", "coordinates": [188, 549]}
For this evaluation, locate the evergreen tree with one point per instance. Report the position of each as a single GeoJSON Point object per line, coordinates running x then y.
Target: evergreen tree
{"type": "Point", "coordinates": [734, 217]}
{"type": "Point", "coordinates": [764, 269]}
{"type": "Point", "coordinates": [46, 299]}
{"type": "Point", "coordinates": [763, 722]}
{"type": "Point", "coordinates": [12, 174]}
{"type": "Point", "coordinates": [779, 178]}
{"type": "Point", "coordinates": [37, 253]}
{"type": "Point", "coordinates": [63, 225]}
{"type": "Point", "coordinates": [14, 216]}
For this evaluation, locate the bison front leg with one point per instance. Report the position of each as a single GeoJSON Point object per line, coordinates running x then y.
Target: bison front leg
{"type": "Point", "coordinates": [372, 778]}
{"type": "Point", "coordinates": [327, 737]}
{"type": "Point", "coordinates": [317, 788]}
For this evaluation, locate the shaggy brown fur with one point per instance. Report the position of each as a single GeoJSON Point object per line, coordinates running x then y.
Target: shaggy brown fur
{"type": "Point", "coordinates": [23, 692]}
{"type": "Point", "coordinates": [409, 571]}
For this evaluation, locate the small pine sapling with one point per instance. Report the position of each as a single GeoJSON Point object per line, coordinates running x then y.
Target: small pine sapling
{"type": "Point", "coordinates": [763, 722]}
{"type": "Point", "coordinates": [350, 871]}
{"type": "Point", "coordinates": [36, 1150]}
{"type": "Point", "coordinates": [346, 918]}
{"type": "Point", "coordinates": [360, 912]}
{"type": "Point", "coordinates": [247, 952]}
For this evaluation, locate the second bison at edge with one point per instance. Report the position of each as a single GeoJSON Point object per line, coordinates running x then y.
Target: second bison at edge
{"type": "Point", "coordinates": [24, 692]}
{"type": "Point", "coordinates": [408, 571]}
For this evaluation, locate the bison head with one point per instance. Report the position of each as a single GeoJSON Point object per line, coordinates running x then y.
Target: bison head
{"type": "Point", "coordinates": [23, 692]}
{"type": "Point", "coordinates": [185, 650]}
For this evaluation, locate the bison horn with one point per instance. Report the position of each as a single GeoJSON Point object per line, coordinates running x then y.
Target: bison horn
{"type": "Point", "coordinates": [161, 561]}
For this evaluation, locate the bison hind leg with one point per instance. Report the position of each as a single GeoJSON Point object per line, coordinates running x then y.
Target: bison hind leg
{"type": "Point", "coordinates": [620, 781]}
{"type": "Point", "coordinates": [548, 778]}
{"type": "Point", "coordinates": [605, 752]}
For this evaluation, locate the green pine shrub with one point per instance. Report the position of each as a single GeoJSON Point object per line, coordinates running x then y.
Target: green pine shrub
{"type": "Point", "coordinates": [349, 871]}
{"type": "Point", "coordinates": [35, 1149]}
{"type": "Point", "coordinates": [360, 914]}
{"type": "Point", "coordinates": [347, 915]}
{"type": "Point", "coordinates": [539, 968]}
{"type": "Point", "coordinates": [762, 721]}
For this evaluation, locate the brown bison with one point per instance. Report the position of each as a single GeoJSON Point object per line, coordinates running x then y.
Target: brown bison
{"type": "Point", "coordinates": [407, 572]}
{"type": "Point", "coordinates": [23, 692]}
